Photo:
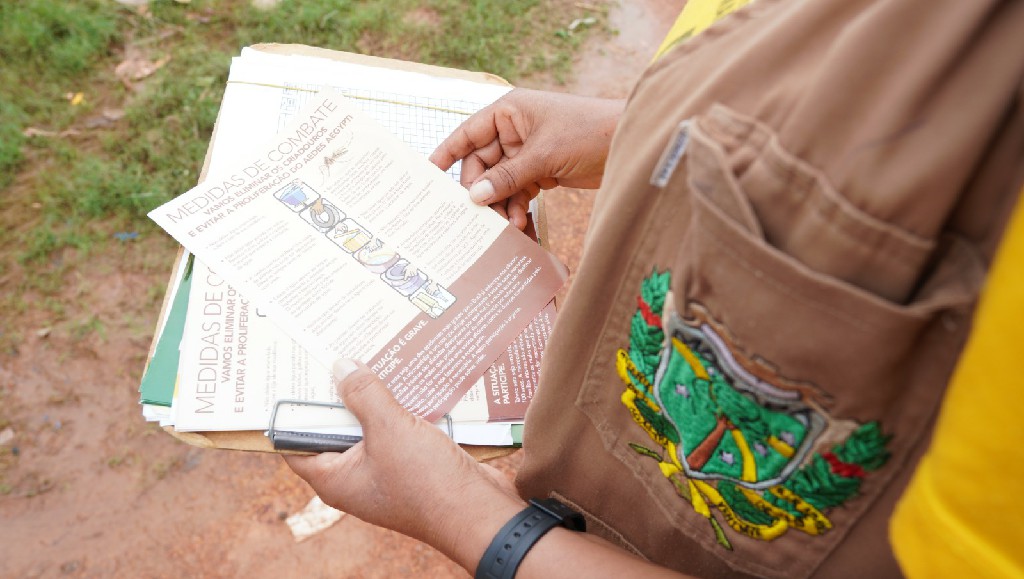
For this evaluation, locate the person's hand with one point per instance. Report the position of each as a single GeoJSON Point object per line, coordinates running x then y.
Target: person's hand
{"type": "Point", "coordinates": [527, 141]}
{"type": "Point", "coordinates": [407, 475]}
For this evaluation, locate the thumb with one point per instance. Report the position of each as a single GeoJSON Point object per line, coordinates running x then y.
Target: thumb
{"type": "Point", "coordinates": [506, 178]}
{"type": "Point", "coordinates": [364, 394]}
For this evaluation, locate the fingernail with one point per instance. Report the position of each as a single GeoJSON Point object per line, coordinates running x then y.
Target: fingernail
{"type": "Point", "coordinates": [343, 367]}
{"type": "Point", "coordinates": [481, 191]}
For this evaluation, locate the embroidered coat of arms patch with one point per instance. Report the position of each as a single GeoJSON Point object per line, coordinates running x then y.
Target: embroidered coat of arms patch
{"type": "Point", "coordinates": [737, 441]}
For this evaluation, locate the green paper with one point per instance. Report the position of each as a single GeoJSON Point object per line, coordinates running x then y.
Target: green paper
{"type": "Point", "coordinates": [158, 381]}
{"type": "Point", "coordinates": [517, 435]}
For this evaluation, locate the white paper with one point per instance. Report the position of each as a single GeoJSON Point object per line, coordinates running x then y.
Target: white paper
{"type": "Point", "coordinates": [315, 517]}
{"type": "Point", "coordinates": [346, 238]}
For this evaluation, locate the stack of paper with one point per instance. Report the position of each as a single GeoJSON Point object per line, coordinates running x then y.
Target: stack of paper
{"type": "Point", "coordinates": [220, 363]}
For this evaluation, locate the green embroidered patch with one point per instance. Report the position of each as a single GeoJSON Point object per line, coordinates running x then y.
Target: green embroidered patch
{"type": "Point", "coordinates": [733, 442]}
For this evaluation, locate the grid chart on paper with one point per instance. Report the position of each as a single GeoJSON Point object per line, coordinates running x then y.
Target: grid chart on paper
{"type": "Point", "coordinates": [421, 122]}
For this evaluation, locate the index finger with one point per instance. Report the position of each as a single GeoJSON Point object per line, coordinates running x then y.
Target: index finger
{"type": "Point", "coordinates": [476, 132]}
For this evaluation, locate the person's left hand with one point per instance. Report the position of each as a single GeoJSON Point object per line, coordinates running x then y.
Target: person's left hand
{"type": "Point", "coordinates": [407, 475]}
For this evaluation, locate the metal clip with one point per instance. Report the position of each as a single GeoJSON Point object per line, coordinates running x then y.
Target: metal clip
{"type": "Point", "coordinates": [316, 441]}
{"type": "Point", "coordinates": [308, 441]}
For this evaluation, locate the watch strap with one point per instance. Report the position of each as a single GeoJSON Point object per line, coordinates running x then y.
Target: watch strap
{"type": "Point", "coordinates": [503, 556]}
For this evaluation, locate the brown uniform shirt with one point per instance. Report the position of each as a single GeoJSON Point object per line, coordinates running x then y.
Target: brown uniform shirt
{"type": "Point", "coordinates": [797, 215]}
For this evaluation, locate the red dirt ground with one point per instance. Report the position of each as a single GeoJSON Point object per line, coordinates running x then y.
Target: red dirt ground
{"type": "Point", "coordinates": [94, 491]}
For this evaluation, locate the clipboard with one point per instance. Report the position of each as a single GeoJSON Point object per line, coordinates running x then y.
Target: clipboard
{"type": "Point", "coordinates": [263, 440]}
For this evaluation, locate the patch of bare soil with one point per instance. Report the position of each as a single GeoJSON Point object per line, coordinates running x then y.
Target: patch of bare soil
{"type": "Point", "coordinates": [608, 68]}
{"type": "Point", "coordinates": [423, 17]}
{"type": "Point", "coordinates": [88, 489]}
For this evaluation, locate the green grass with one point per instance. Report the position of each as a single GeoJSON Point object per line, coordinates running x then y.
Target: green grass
{"type": "Point", "coordinates": [58, 37]}
{"type": "Point", "coordinates": [11, 139]}
{"type": "Point", "coordinates": [42, 43]}
{"type": "Point", "coordinates": [102, 177]}
{"type": "Point", "coordinates": [96, 167]}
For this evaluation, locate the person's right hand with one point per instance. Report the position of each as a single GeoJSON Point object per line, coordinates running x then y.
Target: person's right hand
{"type": "Point", "coordinates": [527, 141]}
{"type": "Point", "coordinates": [407, 475]}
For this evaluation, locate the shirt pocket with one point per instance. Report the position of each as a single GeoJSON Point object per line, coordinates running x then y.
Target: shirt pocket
{"type": "Point", "coordinates": [787, 352]}
{"type": "Point", "coordinates": [740, 165]}
{"type": "Point", "coordinates": [819, 288]}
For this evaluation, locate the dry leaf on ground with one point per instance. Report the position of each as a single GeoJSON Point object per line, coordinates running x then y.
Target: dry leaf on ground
{"type": "Point", "coordinates": [138, 67]}
{"type": "Point", "coordinates": [34, 132]}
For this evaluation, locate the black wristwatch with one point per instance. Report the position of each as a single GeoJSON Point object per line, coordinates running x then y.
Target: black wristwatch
{"type": "Point", "coordinates": [510, 545]}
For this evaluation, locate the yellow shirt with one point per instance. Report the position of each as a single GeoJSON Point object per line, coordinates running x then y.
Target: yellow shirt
{"type": "Point", "coordinates": [962, 515]}
{"type": "Point", "coordinates": [696, 16]}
